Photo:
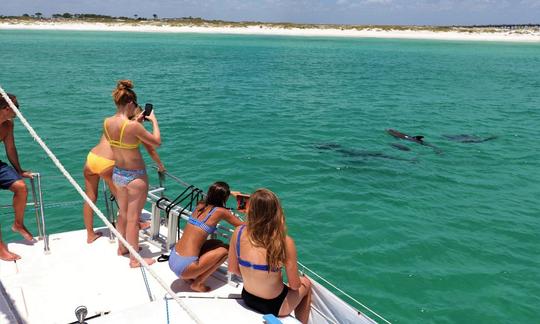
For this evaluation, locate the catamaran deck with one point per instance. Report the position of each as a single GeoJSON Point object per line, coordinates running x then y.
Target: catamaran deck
{"type": "Point", "coordinates": [93, 279]}
{"type": "Point", "coordinates": [47, 288]}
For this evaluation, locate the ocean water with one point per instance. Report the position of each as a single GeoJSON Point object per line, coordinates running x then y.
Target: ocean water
{"type": "Point", "coordinates": [442, 235]}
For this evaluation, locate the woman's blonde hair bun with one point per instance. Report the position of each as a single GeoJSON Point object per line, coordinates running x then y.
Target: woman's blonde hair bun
{"type": "Point", "coordinates": [124, 85]}
{"type": "Point", "coordinates": [124, 94]}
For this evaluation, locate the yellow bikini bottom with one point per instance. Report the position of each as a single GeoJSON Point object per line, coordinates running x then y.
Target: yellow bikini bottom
{"type": "Point", "coordinates": [98, 164]}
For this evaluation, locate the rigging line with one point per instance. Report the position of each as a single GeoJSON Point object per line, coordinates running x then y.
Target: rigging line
{"type": "Point", "coordinates": [47, 206]}
{"type": "Point", "coordinates": [94, 207]}
{"type": "Point", "coordinates": [344, 293]}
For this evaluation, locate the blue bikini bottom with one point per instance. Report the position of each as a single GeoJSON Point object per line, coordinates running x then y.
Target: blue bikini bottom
{"type": "Point", "coordinates": [178, 263]}
{"type": "Point", "coordinates": [122, 177]}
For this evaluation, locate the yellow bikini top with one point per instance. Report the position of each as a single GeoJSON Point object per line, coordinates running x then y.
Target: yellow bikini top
{"type": "Point", "coordinates": [119, 144]}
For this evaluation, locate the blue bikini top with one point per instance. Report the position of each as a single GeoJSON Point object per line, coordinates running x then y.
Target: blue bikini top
{"type": "Point", "coordinates": [245, 263]}
{"type": "Point", "coordinates": [202, 224]}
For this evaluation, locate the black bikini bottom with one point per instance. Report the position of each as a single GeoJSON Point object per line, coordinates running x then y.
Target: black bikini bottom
{"type": "Point", "coordinates": [265, 306]}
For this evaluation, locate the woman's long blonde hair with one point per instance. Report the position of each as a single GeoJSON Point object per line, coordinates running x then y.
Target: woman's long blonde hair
{"type": "Point", "coordinates": [266, 226]}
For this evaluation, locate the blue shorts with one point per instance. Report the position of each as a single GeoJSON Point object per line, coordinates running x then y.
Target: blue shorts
{"type": "Point", "coordinates": [8, 175]}
{"type": "Point", "coordinates": [178, 263]}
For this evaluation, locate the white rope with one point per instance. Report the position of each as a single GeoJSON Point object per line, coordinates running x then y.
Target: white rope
{"type": "Point", "coordinates": [94, 207]}
{"type": "Point", "coordinates": [344, 293]}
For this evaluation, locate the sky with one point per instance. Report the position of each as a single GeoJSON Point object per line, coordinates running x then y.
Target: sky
{"type": "Point", "coordinates": [360, 12]}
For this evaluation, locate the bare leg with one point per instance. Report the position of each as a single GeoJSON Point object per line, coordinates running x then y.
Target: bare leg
{"type": "Point", "coordinates": [91, 184]}
{"type": "Point", "coordinates": [207, 264]}
{"type": "Point", "coordinates": [122, 199]}
{"type": "Point", "coordinates": [5, 254]}
{"type": "Point", "coordinates": [299, 301]}
{"type": "Point", "coordinates": [106, 175]}
{"type": "Point", "coordinates": [198, 283]}
{"type": "Point", "coordinates": [19, 204]}
{"type": "Point", "coordinates": [137, 190]}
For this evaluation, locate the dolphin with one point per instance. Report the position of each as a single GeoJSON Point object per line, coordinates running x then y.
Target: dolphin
{"type": "Point", "coordinates": [327, 146]}
{"type": "Point", "coordinates": [400, 147]}
{"type": "Point", "coordinates": [352, 153]}
{"type": "Point", "coordinates": [465, 138]}
{"type": "Point", "coordinates": [417, 139]}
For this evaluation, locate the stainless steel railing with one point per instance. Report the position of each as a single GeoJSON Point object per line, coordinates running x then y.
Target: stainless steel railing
{"type": "Point", "coordinates": [37, 203]}
{"type": "Point", "coordinates": [175, 212]}
{"type": "Point", "coordinates": [110, 207]}
{"type": "Point", "coordinates": [38, 208]}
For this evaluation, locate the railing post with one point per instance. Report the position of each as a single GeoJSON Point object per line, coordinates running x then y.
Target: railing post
{"type": "Point", "coordinates": [36, 207]}
{"type": "Point", "coordinates": [172, 227]}
{"type": "Point", "coordinates": [44, 229]}
{"type": "Point", "coordinates": [161, 176]}
{"type": "Point", "coordinates": [110, 209]}
{"type": "Point", "coordinates": [156, 221]}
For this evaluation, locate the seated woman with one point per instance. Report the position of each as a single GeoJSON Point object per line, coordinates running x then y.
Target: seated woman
{"type": "Point", "coordinates": [99, 165]}
{"type": "Point", "coordinates": [258, 251]}
{"type": "Point", "coordinates": [194, 257]}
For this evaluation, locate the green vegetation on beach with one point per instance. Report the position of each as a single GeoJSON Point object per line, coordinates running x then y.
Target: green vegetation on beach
{"type": "Point", "coordinates": [200, 22]}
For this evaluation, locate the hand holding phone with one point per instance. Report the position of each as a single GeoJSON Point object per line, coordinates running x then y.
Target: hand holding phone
{"type": "Point", "coordinates": [242, 202]}
{"type": "Point", "coordinates": [147, 110]}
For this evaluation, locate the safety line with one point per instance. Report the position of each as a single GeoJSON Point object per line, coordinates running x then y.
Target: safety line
{"type": "Point", "coordinates": [94, 207]}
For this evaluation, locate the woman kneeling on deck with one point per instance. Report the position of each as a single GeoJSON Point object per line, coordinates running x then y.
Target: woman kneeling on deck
{"type": "Point", "coordinates": [258, 252]}
{"type": "Point", "coordinates": [194, 257]}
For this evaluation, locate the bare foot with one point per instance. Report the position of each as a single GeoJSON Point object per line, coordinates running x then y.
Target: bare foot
{"type": "Point", "coordinates": [21, 229]}
{"type": "Point", "coordinates": [124, 251]}
{"type": "Point", "coordinates": [144, 225]}
{"type": "Point", "coordinates": [8, 256]}
{"type": "Point", "coordinates": [15, 255]}
{"type": "Point", "coordinates": [188, 281]}
{"type": "Point", "coordinates": [93, 237]}
{"type": "Point", "coordinates": [137, 264]}
{"type": "Point", "coordinates": [199, 287]}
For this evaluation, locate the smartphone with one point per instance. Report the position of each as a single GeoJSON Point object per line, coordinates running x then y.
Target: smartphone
{"type": "Point", "coordinates": [148, 109]}
{"type": "Point", "coordinates": [241, 202]}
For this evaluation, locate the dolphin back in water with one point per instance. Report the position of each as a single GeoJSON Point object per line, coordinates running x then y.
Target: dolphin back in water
{"type": "Point", "coordinates": [358, 154]}
{"type": "Point", "coordinates": [417, 139]}
{"type": "Point", "coordinates": [465, 138]}
{"type": "Point", "coordinates": [400, 147]}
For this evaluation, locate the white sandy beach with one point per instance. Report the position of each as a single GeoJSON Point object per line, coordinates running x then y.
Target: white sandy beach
{"type": "Point", "coordinates": [525, 35]}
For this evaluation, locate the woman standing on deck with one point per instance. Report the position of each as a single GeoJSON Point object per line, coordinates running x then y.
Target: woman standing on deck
{"type": "Point", "coordinates": [194, 257]}
{"type": "Point", "coordinates": [129, 173]}
{"type": "Point", "coordinates": [99, 164]}
{"type": "Point", "coordinates": [258, 252]}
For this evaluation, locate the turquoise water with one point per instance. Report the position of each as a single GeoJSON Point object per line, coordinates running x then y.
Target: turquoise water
{"type": "Point", "coordinates": [416, 235]}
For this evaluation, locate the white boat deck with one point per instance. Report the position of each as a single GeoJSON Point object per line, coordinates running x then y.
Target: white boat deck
{"type": "Point", "coordinates": [47, 288]}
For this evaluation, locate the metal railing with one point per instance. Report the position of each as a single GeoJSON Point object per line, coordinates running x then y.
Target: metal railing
{"type": "Point", "coordinates": [37, 203]}
{"type": "Point", "coordinates": [174, 210]}
{"type": "Point", "coordinates": [110, 207]}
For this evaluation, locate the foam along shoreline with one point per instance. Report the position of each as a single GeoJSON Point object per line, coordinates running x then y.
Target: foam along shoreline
{"type": "Point", "coordinates": [499, 35]}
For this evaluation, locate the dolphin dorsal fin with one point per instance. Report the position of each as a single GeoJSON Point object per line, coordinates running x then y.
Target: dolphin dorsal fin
{"type": "Point", "coordinates": [419, 137]}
